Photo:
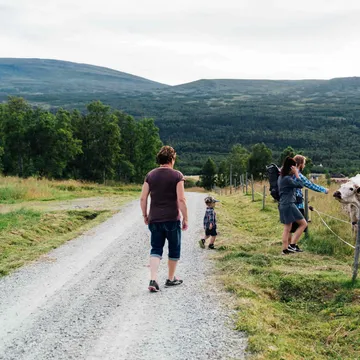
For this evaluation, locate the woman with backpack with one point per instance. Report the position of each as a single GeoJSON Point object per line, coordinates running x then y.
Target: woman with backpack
{"type": "Point", "coordinates": [289, 213]}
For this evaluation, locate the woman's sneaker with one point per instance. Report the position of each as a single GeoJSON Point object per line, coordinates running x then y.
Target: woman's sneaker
{"type": "Point", "coordinates": [298, 249]}
{"type": "Point", "coordinates": [153, 286]}
{"type": "Point", "coordinates": [286, 252]}
{"type": "Point", "coordinates": [202, 243]}
{"type": "Point", "coordinates": [212, 247]}
{"type": "Point", "coordinates": [170, 283]}
{"type": "Point", "coordinates": [292, 248]}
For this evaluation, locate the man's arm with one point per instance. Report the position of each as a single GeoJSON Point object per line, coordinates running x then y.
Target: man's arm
{"type": "Point", "coordinates": [310, 185]}
{"type": "Point", "coordinates": [180, 192]}
{"type": "Point", "coordinates": [143, 201]}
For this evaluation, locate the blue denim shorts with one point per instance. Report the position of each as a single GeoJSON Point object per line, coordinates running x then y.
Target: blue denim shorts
{"type": "Point", "coordinates": [170, 230]}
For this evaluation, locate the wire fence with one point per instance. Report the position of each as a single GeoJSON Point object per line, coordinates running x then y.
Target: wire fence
{"type": "Point", "coordinates": [328, 227]}
{"type": "Point", "coordinates": [243, 186]}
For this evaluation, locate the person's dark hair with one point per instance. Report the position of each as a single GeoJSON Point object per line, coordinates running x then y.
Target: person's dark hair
{"type": "Point", "coordinates": [166, 155]}
{"type": "Point", "coordinates": [286, 168]}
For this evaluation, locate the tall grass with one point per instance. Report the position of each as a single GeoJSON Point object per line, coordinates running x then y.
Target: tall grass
{"type": "Point", "coordinates": [13, 189]}
{"type": "Point", "coordinates": [26, 234]}
{"type": "Point", "coordinates": [321, 240]}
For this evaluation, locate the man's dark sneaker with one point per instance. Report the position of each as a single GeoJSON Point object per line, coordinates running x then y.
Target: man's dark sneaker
{"type": "Point", "coordinates": [202, 243]}
{"type": "Point", "coordinates": [292, 248]}
{"type": "Point", "coordinates": [170, 283]}
{"type": "Point", "coordinates": [286, 252]}
{"type": "Point", "coordinates": [298, 249]}
{"type": "Point", "coordinates": [153, 286]}
{"type": "Point", "coordinates": [212, 247]}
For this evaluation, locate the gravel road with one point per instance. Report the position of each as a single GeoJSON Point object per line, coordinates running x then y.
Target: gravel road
{"type": "Point", "coordinates": [89, 300]}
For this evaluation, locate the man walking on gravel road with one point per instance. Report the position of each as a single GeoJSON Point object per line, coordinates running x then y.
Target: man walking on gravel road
{"type": "Point", "coordinates": [166, 189]}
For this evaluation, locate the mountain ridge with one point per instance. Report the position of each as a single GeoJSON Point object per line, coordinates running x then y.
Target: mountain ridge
{"type": "Point", "coordinates": [32, 74]}
{"type": "Point", "coordinates": [16, 73]}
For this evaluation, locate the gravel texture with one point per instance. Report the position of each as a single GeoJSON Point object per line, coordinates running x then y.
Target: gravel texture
{"type": "Point", "coordinates": [89, 300]}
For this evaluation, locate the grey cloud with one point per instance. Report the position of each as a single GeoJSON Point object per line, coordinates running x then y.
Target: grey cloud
{"type": "Point", "coordinates": [200, 37]}
{"type": "Point", "coordinates": [234, 27]}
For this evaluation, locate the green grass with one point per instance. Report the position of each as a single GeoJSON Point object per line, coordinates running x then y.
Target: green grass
{"type": "Point", "coordinates": [301, 306]}
{"type": "Point", "coordinates": [27, 234]}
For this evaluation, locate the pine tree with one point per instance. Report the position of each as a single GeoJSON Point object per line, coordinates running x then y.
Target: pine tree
{"type": "Point", "coordinates": [208, 174]}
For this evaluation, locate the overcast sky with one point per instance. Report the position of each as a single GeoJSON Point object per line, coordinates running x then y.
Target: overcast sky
{"type": "Point", "coordinates": [174, 41]}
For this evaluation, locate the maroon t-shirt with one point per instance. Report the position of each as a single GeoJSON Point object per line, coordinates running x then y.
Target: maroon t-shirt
{"type": "Point", "coordinates": [162, 183]}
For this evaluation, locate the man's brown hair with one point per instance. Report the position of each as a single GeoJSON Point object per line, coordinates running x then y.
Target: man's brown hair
{"type": "Point", "coordinates": [300, 160]}
{"type": "Point", "coordinates": [166, 155]}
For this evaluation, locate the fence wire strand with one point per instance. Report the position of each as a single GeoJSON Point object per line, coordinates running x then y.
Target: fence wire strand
{"type": "Point", "coordinates": [324, 222]}
{"type": "Point", "coordinates": [335, 218]}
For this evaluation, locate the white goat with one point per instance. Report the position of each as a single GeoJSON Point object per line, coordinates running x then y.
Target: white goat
{"type": "Point", "coordinates": [349, 195]}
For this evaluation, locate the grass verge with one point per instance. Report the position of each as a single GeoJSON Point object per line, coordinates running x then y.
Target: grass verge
{"type": "Point", "coordinates": [27, 234]}
{"type": "Point", "coordinates": [17, 190]}
{"type": "Point", "coordinates": [300, 306]}
{"type": "Point", "coordinates": [42, 224]}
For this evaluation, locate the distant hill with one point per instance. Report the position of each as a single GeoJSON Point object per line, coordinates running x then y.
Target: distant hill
{"type": "Point", "coordinates": [37, 76]}
{"type": "Point", "coordinates": [245, 86]}
{"type": "Point", "coordinates": [269, 87]}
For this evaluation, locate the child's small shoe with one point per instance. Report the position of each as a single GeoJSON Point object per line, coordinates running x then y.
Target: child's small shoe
{"type": "Point", "coordinates": [202, 243]}
{"type": "Point", "coordinates": [212, 247]}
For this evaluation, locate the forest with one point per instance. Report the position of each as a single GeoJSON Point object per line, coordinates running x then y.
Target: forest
{"type": "Point", "coordinates": [98, 144]}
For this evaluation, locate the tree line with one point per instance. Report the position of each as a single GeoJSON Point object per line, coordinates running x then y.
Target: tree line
{"type": "Point", "coordinates": [98, 144]}
{"type": "Point", "coordinates": [315, 124]}
{"type": "Point", "coordinates": [239, 161]}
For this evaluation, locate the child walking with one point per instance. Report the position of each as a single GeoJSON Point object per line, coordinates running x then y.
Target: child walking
{"type": "Point", "coordinates": [209, 223]}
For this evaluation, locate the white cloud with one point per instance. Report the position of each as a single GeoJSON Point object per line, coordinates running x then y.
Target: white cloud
{"type": "Point", "coordinates": [180, 41]}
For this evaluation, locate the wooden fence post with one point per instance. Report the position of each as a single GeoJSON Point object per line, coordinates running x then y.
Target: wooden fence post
{"type": "Point", "coordinates": [306, 210]}
{"type": "Point", "coordinates": [264, 196]}
{"type": "Point", "coordinates": [357, 250]}
{"type": "Point", "coordinates": [252, 189]}
{"type": "Point", "coordinates": [306, 204]}
{"type": "Point", "coordinates": [246, 182]}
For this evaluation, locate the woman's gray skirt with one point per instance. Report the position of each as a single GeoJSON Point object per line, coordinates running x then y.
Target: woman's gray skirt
{"type": "Point", "coordinates": [289, 213]}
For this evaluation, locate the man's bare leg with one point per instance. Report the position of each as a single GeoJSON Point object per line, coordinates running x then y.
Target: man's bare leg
{"type": "Point", "coordinates": [154, 267]}
{"type": "Point", "coordinates": [172, 268]}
